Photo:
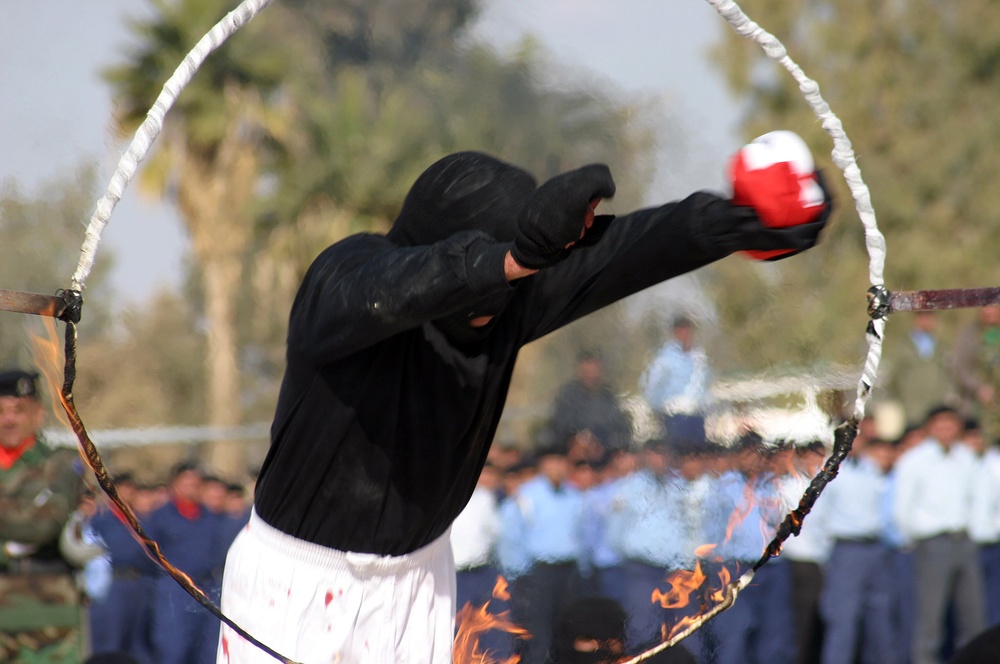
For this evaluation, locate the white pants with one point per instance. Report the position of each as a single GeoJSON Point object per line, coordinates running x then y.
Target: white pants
{"type": "Point", "coordinates": [317, 605]}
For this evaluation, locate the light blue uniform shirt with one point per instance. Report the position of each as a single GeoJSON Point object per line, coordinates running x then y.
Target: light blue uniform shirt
{"type": "Point", "coordinates": [511, 554]}
{"type": "Point", "coordinates": [647, 521]}
{"type": "Point", "coordinates": [853, 505]}
{"type": "Point", "coordinates": [598, 505]}
{"type": "Point", "coordinates": [935, 489]}
{"type": "Point", "coordinates": [677, 381]}
{"type": "Point", "coordinates": [892, 536]}
{"type": "Point", "coordinates": [542, 524]}
{"type": "Point", "coordinates": [752, 505]}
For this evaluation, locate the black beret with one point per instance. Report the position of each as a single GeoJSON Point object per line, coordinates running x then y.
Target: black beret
{"type": "Point", "coordinates": [17, 383]}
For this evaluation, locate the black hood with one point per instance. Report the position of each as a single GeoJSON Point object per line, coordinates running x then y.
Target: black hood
{"type": "Point", "coordinates": [466, 191]}
{"type": "Point", "coordinates": [462, 192]}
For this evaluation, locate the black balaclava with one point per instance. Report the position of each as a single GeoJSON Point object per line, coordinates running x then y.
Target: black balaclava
{"type": "Point", "coordinates": [598, 618]}
{"type": "Point", "coordinates": [465, 191]}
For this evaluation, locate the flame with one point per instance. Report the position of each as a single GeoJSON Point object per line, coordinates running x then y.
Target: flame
{"type": "Point", "coordinates": [681, 584]}
{"type": "Point", "coordinates": [46, 351]}
{"type": "Point", "coordinates": [473, 621]}
{"type": "Point", "coordinates": [724, 579]}
{"type": "Point", "coordinates": [740, 512]}
{"type": "Point", "coordinates": [500, 589]}
{"type": "Point", "coordinates": [685, 583]}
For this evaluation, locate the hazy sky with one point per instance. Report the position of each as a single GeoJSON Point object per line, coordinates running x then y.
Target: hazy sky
{"type": "Point", "coordinates": [55, 110]}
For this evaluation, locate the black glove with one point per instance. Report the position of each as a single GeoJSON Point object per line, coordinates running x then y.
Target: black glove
{"type": "Point", "coordinates": [553, 216]}
{"type": "Point", "coordinates": [818, 223]}
{"type": "Point", "coordinates": [737, 228]}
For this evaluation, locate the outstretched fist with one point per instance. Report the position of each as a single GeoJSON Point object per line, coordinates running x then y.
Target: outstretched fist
{"type": "Point", "coordinates": [560, 215]}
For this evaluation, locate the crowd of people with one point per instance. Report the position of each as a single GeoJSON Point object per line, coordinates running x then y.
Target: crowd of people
{"type": "Point", "coordinates": [134, 607]}
{"type": "Point", "coordinates": [898, 563]}
{"type": "Point", "coordinates": [889, 566]}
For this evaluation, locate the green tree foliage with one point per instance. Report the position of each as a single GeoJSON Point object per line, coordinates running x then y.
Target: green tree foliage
{"type": "Point", "coordinates": [911, 82]}
{"type": "Point", "coordinates": [148, 371]}
{"type": "Point", "coordinates": [42, 233]}
{"type": "Point", "coordinates": [384, 34]}
{"type": "Point", "coordinates": [139, 367]}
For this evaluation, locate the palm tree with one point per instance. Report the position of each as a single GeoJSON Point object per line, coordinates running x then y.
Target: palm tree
{"type": "Point", "coordinates": [209, 162]}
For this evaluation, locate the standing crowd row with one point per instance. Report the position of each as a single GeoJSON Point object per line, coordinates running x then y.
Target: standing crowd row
{"type": "Point", "coordinates": [898, 562]}
{"type": "Point", "coordinates": [134, 607]}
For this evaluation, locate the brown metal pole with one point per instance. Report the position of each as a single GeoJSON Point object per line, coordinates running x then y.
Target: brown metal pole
{"type": "Point", "coordinates": [31, 303]}
{"type": "Point", "coordinates": [955, 298]}
{"type": "Point", "coordinates": [882, 302]}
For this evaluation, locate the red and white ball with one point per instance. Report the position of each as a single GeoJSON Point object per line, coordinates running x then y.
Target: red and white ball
{"type": "Point", "coordinates": [775, 174]}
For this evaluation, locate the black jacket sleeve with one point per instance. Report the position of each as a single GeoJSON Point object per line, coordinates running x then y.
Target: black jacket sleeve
{"type": "Point", "coordinates": [637, 251]}
{"type": "Point", "coordinates": [365, 289]}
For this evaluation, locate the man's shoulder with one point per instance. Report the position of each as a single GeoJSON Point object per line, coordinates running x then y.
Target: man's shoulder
{"type": "Point", "coordinates": [42, 459]}
{"type": "Point", "coordinates": [351, 245]}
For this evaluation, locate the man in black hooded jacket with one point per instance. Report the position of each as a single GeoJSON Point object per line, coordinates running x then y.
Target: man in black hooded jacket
{"type": "Point", "coordinates": [400, 352]}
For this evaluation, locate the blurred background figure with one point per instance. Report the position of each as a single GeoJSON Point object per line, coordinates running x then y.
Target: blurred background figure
{"type": "Point", "coordinates": [903, 575]}
{"type": "Point", "coordinates": [542, 521]}
{"type": "Point", "coordinates": [474, 536]}
{"type": "Point", "coordinates": [917, 372]}
{"type": "Point", "coordinates": [604, 565]}
{"type": "Point", "coordinates": [83, 549]}
{"type": "Point", "coordinates": [473, 540]}
{"type": "Point", "coordinates": [591, 630]}
{"type": "Point", "coordinates": [188, 537]}
{"type": "Point", "coordinates": [742, 512]}
{"type": "Point", "coordinates": [231, 515]}
{"type": "Point", "coordinates": [587, 410]}
{"type": "Point", "coordinates": [121, 621]}
{"type": "Point", "coordinates": [647, 526]}
{"type": "Point", "coordinates": [237, 505]}
{"type": "Point", "coordinates": [40, 613]}
{"type": "Point", "coordinates": [933, 502]}
{"type": "Point", "coordinates": [676, 383]}
{"type": "Point", "coordinates": [977, 370]}
{"type": "Point", "coordinates": [806, 554]}
{"type": "Point", "coordinates": [857, 603]}
{"type": "Point", "coordinates": [984, 528]}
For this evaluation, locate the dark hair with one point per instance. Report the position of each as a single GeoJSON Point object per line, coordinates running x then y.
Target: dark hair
{"type": "Point", "coordinates": [682, 321]}
{"type": "Point", "coordinates": [941, 410]}
{"type": "Point", "coordinates": [125, 478]}
{"type": "Point", "coordinates": [184, 467]}
{"type": "Point", "coordinates": [816, 446]}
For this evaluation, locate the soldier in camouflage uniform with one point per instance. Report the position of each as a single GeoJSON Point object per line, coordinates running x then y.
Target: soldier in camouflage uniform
{"type": "Point", "coordinates": [40, 613]}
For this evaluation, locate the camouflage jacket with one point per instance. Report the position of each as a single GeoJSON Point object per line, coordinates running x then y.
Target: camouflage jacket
{"type": "Point", "coordinates": [37, 495]}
